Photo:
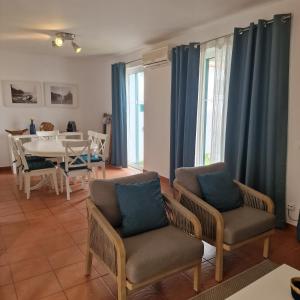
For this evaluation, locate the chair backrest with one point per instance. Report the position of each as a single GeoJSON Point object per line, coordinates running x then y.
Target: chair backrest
{"type": "Point", "coordinates": [15, 157]}
{"type": "Point", "coordinates": [103, 194]}
{"type": "Point", "coordinates": [47, 135]}
{"type": "Point", "coordinates": [98, 141]}
{"type": "Point", "coordinates": [21, 153]}
{"type": "Point", "coordinates": [187, 176]}
{"type": "Point", "coordinates": [71, 136]}
{"type": "Point", "coordinates": [24, 139]}
{"type": "Point", "coordinates": [74, 152]}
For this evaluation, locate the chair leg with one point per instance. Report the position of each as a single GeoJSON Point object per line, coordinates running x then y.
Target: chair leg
{"type": "Point", "coordinates": [197, 278]}
{"type": "Point", "coordinates": [82, 182]}
{"type": "Point", "coordinates": [20, 180]}
{"type": "Point", "coordinates": [61, 175]}
{"type": "Point", "coordinates": [266, 247]}
{"type": "Point", "coordinates": [27, 186]}
{"type": "Point", "coordinates": [219, 263]}
{"type": "Point", "coordinates": [103, 172]}
{"type": "Point", "coordinates": [68, 187]}
{"type": "Point", "coordinates": [88, 262]}
{"type": "Point", "coordinates": [54, 180]}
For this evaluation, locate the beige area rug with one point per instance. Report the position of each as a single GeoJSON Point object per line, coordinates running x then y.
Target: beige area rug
{"type": "Point", "coordinates": [237, 282]}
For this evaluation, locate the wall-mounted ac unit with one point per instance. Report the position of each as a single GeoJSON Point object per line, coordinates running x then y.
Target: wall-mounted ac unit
{"type": "Point", "coordinates": [156, 56]}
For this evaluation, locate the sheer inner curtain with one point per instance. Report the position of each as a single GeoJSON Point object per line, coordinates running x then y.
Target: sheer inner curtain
{"type": "Point", "coordinates": [215, 62]}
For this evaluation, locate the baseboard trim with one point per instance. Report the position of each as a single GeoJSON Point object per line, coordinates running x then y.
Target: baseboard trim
{"type": "Point", "coordinates": [4, 169]}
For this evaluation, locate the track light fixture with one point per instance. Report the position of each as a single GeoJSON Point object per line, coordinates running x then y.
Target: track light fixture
{"type": "Point", "coordinates": [61, 37]}
{"type": "Point", "coordinates": [76, 48]}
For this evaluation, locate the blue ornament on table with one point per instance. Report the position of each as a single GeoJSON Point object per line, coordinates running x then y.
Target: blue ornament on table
{"type": "Point", "coordinates": [32, 129]}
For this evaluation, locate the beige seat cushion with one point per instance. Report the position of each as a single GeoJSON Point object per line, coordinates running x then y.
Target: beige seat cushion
{"type": "Point", "coordinates": [158, 251]}
{"type": "Point", "coordinates": [245, 222]}
{"type": "Point", "coordinates": [103, 194]}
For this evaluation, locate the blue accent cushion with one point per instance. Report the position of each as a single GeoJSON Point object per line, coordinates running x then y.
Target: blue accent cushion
{"type": "Point", "coordinates": [219, 190]}
{"type": "Point", "coordinates": [34, 158]}
{"type": "Point", "coordinates": [74, 167]}
{"type": "Point", "coordinates": [142, 207]}
{"type": "Point", "coordinates": [40, 164]}
{"type": "Point", "coordinates": [94, 158]}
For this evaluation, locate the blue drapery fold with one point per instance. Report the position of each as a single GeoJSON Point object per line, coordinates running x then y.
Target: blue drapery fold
{"type": "Point", "coordinates": [256, 132]}
{"type": "Point", "coordinates": [184, 100]}
{"type": "Point", "coordinates": [119, 116]}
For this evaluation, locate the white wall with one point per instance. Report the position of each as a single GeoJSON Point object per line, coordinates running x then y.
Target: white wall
{"type": "Point", "coordinates": [96, 91]}
{"type": "Point", "coordinates": [19, 66]}
{"type": "Point", "coordinates": [157, 119]}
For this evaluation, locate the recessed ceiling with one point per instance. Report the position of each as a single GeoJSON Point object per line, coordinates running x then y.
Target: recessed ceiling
{"type": "Point", "coordinates": [104, 26]}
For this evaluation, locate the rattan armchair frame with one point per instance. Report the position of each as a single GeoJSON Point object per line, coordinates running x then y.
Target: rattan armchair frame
{"type": "Point", "coordinates": [212, 221]}
{"type": "Point", "coordinates": [105, 244]}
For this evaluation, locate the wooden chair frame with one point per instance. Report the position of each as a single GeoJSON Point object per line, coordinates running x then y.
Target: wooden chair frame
{"type": "Point", "coordinates": [213, 224]}
{"type": "Point", "coordinates": [27, 174]}
{"type": "Point", "coordinates": [105, 244]}
{"type": "Point", "coordinates": [47, 135]}
{"type": "Point", "coordinates": [73, 152]}
{"type": "Point", "coordinates": [98, 142]}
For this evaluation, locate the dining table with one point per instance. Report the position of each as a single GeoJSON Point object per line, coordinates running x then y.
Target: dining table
{"type": "Point", "coordinates": [50, 148]}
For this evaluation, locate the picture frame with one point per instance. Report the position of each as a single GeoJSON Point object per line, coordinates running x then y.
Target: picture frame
{"type": "Point", "coordinates": [21, 93]}
{"type": "Point", "coordinates": [63, 95]}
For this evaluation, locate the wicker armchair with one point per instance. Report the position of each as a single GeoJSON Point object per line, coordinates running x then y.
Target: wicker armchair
{"type": "Point", "coordinates": [145, 258]}
{"type": "Point", "coordinates": [231, 229]}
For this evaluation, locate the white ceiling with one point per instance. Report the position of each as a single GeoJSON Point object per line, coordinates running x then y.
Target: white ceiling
{"type": "Point", "coordinates": [104, 26]}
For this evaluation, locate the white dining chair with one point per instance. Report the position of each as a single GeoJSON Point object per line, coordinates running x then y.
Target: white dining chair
{"type": "Point", "coordinates": [16, 160]}
{"type": "Point", "coordinates": [36, 167]}
{"type": "Point", "coordinates": [47, 135]}
{"type": "Point", "coordinates": [98, 146]}
{"type": "Point", "coordinates": [75, 164]}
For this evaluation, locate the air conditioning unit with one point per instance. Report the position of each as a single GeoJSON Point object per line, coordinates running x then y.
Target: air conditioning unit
{"type": "Point", "coordinates": [156, 56]}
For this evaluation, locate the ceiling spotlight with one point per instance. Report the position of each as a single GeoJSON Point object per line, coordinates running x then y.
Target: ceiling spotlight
{"type": "Point", "coordinates": [59, 41]}
{"type": "Point", "coordinates": [61, 37]}
{"type": "Point", "coordinates": [76, 48]}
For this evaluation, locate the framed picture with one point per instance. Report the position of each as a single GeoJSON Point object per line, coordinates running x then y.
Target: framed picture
{"type": "Point", "coordinates": [61, 95]}
{"type": "Point", "coordinates": [22, 93]}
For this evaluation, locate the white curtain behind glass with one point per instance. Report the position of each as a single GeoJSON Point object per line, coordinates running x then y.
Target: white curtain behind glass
{"type": "Point", "coordinates": [215, 61]}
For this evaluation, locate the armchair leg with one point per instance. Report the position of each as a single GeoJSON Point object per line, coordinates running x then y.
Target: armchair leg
{"type": "Point", "coordinates": [219, 263]}
{"type": "Point", "coordinates": [89, 260]}
{"type": "Point", "coordinates": [197, 278]}
{"type": "Point", "coordinates": [122, 290]}
{"type": "Point", "coordinates": [266, 247]}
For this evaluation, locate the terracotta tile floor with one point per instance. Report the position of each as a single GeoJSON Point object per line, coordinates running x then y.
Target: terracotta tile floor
{"type": "Point", "coordinates": [43, 242]}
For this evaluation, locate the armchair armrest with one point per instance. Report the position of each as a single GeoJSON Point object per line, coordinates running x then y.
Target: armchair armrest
{"type": "Point", "coordinates": [211, 219]}
{"type": "Point", "coordinates": [182, 218]}
{"type": "Point", "coordinates": [255, 199]}
{"type": "Point", "coordinates": [104, 240]}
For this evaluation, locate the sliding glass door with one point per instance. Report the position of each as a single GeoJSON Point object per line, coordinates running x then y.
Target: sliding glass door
{"type": "Point", "coordinates": [215, 61]}
{"type": "Point", "coordinates": [135, 117]}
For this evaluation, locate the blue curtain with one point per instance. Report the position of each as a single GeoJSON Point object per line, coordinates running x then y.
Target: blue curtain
{"type": "Point", "coordinates": [119, 115]}
{"type": "Point", "coordinates": [256, 132]}
{"type": "Point", "coordinates": [184, 100]}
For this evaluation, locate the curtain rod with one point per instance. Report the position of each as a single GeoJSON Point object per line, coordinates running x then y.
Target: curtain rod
{"type": "Point", "coordinates": [283, 19]}
{"type": "Point", "coordinates": [195, 43]}
{"type": "Point", "coordinates": [132, 61]}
